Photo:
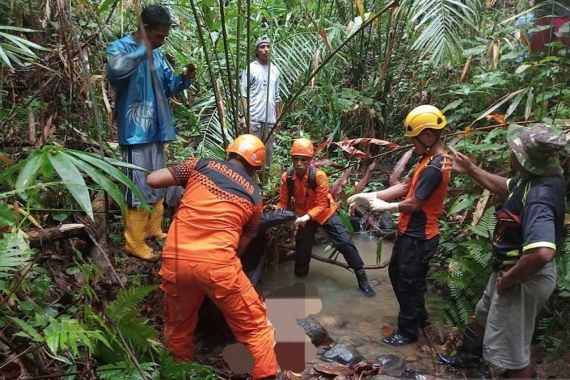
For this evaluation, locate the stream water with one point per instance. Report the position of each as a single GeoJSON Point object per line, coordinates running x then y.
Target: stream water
{"type": "Point", "coordinates": [349, 316]}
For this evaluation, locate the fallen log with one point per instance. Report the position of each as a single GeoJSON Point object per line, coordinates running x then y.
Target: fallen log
{"type": "Point", "coordinates": [38, 238]}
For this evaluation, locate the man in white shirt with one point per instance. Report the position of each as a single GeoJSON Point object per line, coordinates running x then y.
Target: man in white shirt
{"type": "Point", "coordinates": [264, 100]}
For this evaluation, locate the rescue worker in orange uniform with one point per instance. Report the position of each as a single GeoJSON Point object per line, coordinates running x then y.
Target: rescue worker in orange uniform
{"type": "Point", "coordinates": [418, 233]}
{"type": "Point", "coordinates": [217, 217]}
{"type": "Point", "coordinates": [315, 207]}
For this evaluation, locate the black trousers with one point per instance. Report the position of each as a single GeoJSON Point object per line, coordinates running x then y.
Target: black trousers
{"type": "Point", "coordinates": [408, 269]}
{"type": "Point", "coordinates": [339, 238]}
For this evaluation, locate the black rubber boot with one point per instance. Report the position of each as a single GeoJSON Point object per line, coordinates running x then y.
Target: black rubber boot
{"type": "Point", "coordinates": [363, 284]}
{"type": "Point", "coordinates": [470, 353]}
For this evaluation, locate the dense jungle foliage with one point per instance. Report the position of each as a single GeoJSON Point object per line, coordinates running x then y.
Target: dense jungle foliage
{"type": "Point", "coordinates": [350, 70]}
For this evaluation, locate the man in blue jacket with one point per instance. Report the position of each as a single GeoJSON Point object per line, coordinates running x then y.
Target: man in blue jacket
{"type": "Point", "coordinates": [143, 81]}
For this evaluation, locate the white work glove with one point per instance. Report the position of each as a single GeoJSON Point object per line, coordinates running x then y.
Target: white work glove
{"type": "Point", "coordinates": [360, 199]}
{"type": "Point", "coordinates": [302, 220]}
{"type": "Point", "coordinates": [380, 205]}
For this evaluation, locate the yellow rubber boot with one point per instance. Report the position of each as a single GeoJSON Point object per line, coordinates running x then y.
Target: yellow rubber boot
{"type": "Point", "coordinates": [154, 225]}
{"type": "Point", "coordinates": [135, 230]}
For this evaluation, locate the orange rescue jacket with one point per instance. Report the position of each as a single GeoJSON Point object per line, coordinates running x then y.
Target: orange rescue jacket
{"type": "Point", "coordinates": [318, 203]}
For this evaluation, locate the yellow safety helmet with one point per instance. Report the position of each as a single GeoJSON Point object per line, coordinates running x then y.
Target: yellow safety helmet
{"type": "Point", "coordinates": [423, 117]}
{"type": "Point", "coordinates": [302, 147]}
{"type": "Point", "coordinates": [250, 148]}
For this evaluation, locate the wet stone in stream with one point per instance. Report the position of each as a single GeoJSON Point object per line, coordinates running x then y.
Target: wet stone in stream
{"type": "Point", "coordinates": [343, 354]}
{"type": "Point", "coordinates": [393, 365]}
{"type": "Point", "coordinates": [318, 335]}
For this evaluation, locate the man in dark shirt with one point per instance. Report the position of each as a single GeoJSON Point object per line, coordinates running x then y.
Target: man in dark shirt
{"type": "Point", "coordinates": [418, 232]}
{"type": "Point", "coordinates": [528, 233]}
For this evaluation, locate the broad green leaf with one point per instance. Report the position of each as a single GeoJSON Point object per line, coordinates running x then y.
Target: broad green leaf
{"type": "Point", "coordinates": [5, 58]}
{"type": "Point", "coordinates": [462, 203]}
{"type": "Point", "coordinates": [17, 29]}
{"type": "Point", "coordinates": [475, 50]}
{"type": "Point", "coordinates": [124, 164]}
{"type": "Point", "coordinates": [52, 342]}
{"type": "Point", "coordinates": [99, 179]}
{"type": "Point", "coordinates": [107, 168]}
{"type": "Point", "coordinates": [106, 4]}
{"type": "Point", "coordinates": [30, 170]}
{"type": "Point", "coordinates": [72, 179]}
{"type": "Point", "coordinates": [453, 105]}
{"type": "Point", "coordinates": [22, 41]}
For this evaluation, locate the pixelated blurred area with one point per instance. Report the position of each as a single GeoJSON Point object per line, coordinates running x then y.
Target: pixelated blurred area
{"type": "Point", "coordinates": [286, 307]}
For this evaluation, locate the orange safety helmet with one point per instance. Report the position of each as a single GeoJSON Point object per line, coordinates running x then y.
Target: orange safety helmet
{"type": "Point", "coordinates": [302, 147]}
{"type": "Point", "coordinates": [423, 117]}
{"type": "Point", "coordinates": [250, 148]}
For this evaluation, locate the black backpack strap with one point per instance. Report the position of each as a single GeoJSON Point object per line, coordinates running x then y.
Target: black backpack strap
{"type": "Point", "coordinates": [312, 178]}
{"type": "Point", "coordinates": [290, 185]}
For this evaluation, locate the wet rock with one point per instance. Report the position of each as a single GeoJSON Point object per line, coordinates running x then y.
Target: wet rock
{"type": "Point", "coordinates": [393, 365]}
{"type": "Point", "coordinates": [382, 377]}
{"type": "Point", "coordinates": [317, 333]}
{"type": "Point", "coordinates": [425, 377]}
{"type": "Point", "coordinates": [408, 373]}
{"type": "Point", "coordinates": [343, 354]}
{"type": "Point", "coordinates": [452, 371]}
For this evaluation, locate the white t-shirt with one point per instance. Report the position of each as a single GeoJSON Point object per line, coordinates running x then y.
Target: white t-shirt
{"type": "Point", "coordinates": [260, 76]}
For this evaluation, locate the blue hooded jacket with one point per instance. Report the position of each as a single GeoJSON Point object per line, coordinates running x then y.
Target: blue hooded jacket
{"type": "Point", "coordinates": [140, 117]}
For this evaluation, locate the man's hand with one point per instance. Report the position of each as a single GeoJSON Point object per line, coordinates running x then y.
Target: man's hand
{"type": "Point", "coordinates": [380, 205]}
{"type": "Point", "coordinates": [461, 163]}
{"type": "Point", "coordinates": [189, 72]}
{"type": "Point", "coordinates": [278, 127]}
{"type": "Point", "coordinates": [502, 284]}
{"type": "Point", "coordinates": [302, 220]}
{"type": "Point", "coordinates": [242, 124]}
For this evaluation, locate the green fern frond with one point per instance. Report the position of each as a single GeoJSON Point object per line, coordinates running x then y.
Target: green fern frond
{"type": "Point", "coordinates": [126, 302]}
{"type": "Point", "coordinates": [137, 330]}
{"type": "Point", "coordinates": [15, 252]}
{"type": "Point", "coordinates": [124, 370]}
{"type": "Point", "coordinates": [169, 370]}
{"type": "Point", "coordinates": [486, 225]}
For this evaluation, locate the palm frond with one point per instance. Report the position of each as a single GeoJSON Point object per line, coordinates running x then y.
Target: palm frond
{"type": "Point", "coordinates": [440, 24]}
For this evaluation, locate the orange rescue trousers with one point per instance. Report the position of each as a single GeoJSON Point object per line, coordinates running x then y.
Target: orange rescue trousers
{"type": "Point", "coordinates": [185, 283]}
